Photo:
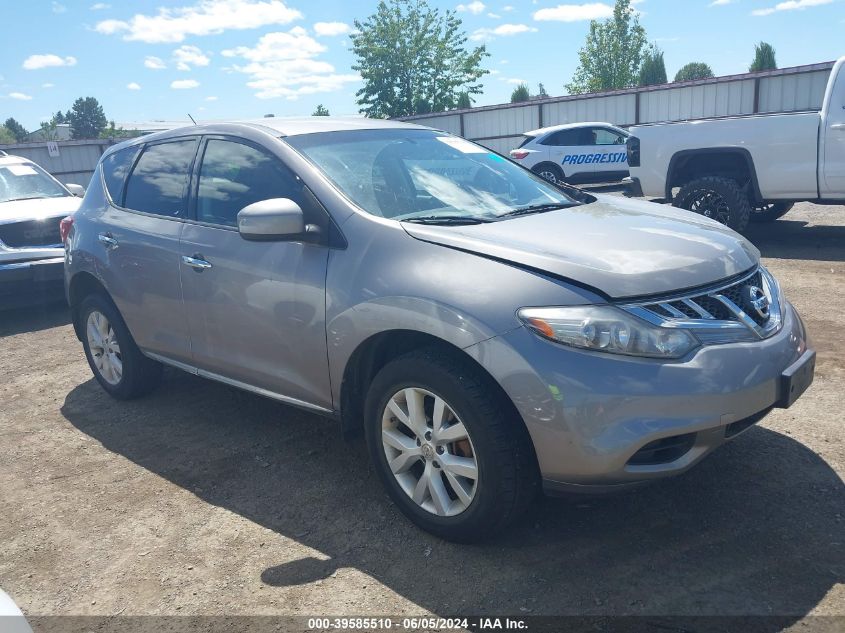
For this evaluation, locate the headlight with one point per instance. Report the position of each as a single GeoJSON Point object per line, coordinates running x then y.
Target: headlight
{"type": "Point", "coordinates": [608, 329]}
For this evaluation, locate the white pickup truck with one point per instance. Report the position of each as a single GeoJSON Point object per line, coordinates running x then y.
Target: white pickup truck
{"type": "Point", "coordinates": [745, 168]}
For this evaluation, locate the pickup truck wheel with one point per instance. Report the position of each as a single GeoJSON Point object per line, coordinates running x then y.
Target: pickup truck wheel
{"type": "Point", "coordinates": [770, 212]}
{"type": "Point", "coordinates": [717, 198]}
{"type": "Point", "coordinates": [445, 447]}
{"type": "Point", "coordinates": [117, 363]}
{"type": "Point", "coordinates": [550, 172]}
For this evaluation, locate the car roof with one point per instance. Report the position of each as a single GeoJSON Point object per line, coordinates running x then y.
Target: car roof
{"type": "Point", "coordinates": [571, 126]}
{"type": "Point", "coordinates": [11, 159]}
{"type": "Point", "coordinates": [279, 126]}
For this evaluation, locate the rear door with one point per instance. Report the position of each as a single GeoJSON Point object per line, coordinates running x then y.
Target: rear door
{"type": "Point", "coordinates": [139, 234]}
{"type": "Point", "coordinates": [833, 153]}
{"type": "Point", "coordinates": [256, 310]}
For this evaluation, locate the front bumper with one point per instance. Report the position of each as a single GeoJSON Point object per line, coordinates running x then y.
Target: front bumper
{"type": "Point", "coordinates": [31, 282]}
{"type": "Point", "coordinates": [589, 414]}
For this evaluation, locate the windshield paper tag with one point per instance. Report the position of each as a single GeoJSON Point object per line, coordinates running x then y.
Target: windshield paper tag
{"type": "Point", "coordinates": [462, 145]}
{"type": "Point", "coordinates": [21, 170]}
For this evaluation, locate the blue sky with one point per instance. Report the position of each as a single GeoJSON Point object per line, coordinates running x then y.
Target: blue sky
{"type": "Point", "coordinates": [160, 59]}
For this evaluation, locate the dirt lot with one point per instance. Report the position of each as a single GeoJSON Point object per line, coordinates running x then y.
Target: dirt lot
{"type": "Point", "coordinates": [205, 500]}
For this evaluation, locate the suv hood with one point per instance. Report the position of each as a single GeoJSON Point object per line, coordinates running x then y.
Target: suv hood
{"type": "Point", "coordinates": [621, 247]}
{"type": "Point", "coordinates": [37, 208]}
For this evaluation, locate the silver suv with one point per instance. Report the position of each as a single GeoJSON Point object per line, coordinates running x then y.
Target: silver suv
{"type": "Point", "coordinates": [489, 332]}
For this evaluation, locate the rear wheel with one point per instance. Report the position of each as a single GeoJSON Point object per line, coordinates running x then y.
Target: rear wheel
{"type": "Point", "coordinates": [550, 172]}
{"type": "Point", "coordinates": [717, 198]}
{"type": "Point", "coordinates": [117, 363]}
{"type": "Point", "coordinates": [444, 446]}
{"type": "Point", "coordinates": [770, 212]}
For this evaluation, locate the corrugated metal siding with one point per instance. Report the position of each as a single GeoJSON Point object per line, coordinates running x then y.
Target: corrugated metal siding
{"type": "Point", "coordinates": [787, 90]}
{"type": "Point", "coordinates": [789, 93]}
{"type": "Point", "coordinates": [74, 164]}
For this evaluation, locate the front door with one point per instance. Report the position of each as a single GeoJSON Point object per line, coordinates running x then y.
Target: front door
{"type": "Point", "coordinates": [256, 310]}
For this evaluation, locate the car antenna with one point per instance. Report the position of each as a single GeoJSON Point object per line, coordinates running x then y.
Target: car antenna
{"type": "Point", "coordinates": [191, 118]}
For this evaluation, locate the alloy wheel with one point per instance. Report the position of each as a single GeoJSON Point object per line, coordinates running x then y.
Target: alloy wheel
{"type": "Point", "coordinates": [429, 451]}
{"type": "Point", "coordinates": [105, 350]}
{"type": "Point", "coordinates": [548, 175]}
{"type": "Point", "coordinates": [711, 205]}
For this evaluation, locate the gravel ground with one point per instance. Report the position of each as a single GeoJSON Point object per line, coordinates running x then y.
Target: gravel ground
{"type": "Point", "coordinates": [201, 499]}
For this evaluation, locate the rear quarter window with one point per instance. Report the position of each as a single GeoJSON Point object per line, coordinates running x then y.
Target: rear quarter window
{"type": "Point", "coordinates": [115, 168]}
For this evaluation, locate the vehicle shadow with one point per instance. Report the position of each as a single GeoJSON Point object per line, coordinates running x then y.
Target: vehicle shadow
{"type": "Point", "coordinates": [34, 318]}
{"type": "Point", "coordinates": [794, 239]}
{"type": "Point", "coordinates": [755, 530]}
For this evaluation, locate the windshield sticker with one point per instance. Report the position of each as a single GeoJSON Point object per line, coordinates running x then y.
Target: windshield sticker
{"type": "Point", "coordinates": [462, 145]}
{"type": "Point", "coordinates": [21, 170]}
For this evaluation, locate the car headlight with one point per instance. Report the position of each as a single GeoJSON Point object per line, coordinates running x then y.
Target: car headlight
{"type": "Point", "coordinates": [608, 329]}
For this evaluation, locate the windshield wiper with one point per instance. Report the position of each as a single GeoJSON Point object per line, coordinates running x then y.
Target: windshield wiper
{"type": "Point", "coordinates": [453, 220]}
{"type": "Point", "coordinates": [24, 198]}
{"type": "Point", "coordinates": [536, 208]}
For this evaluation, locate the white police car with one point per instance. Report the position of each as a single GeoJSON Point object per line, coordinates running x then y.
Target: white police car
{"type": "Point", "coordinates": [575, 152]}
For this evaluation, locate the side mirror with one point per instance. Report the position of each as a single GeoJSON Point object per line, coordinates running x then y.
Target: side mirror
{"type": "Point", "coordinates": [77, 190]}
{"type": "Point", "coordinates": [275, 219]}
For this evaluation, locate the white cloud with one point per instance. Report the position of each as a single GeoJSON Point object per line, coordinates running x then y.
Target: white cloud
{"type": "Point", "coordinates": [154, 63]}
{"type": "Point", "coordinates": [47, 85]}
{"type": "Point", "coordinates": [184, 84]}
{"type": "Point", "coordinates": [513, 80]}
{"type": "Point", "coordinates": [790, 5]}
{"type": "Point", "coordinates": [507, 8]}
{"type": "Point", "coordinates": [574, 12]}
{"type": "Point", "coordinates": [204, 18]}
{"type": "Point", "coordinates": [19, 96]}
{"type": "Point", "coordinates": [188, 56]}
{"type": "Point", "coordinates": [494, 16]}
{"type": "Point", "coordinates": [503, 30]}
{"type": "Point", "coordinates": [284, 64]}
{"type": "Point", "coordinates": [474, 7]}
{"type": "Point", "coordinates": [58, 7]}
{"type": "Point", "coordinates": [100, 6]}
{"type": "Point", "coordinates": [330, 29]}
{"type": "Point", "coordinates": [133, 86]}
{"type": "Point", "coordinates": [720, 3]}
{"type": "Point", "coordinates": [34, 62]}
{"type": "Point", "coordinates": [212, 98]}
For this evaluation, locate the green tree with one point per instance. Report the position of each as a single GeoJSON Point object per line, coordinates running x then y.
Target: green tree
{"type": "Point", "coordinates": [541, 91]}
{"type": "Point", "coordinates": [694, 70]}
{"type": "Point", "coordinates": [48, 130]}
{"type": "Point", "coordinates": [611, 56]}
{"type": "Point", "coordinates": [113, 131]}
{"type": "Point", "coordinates": [464, 101]}
{"type": "Point", "coordinates": [86, 118]}
{"type": "Point", "coordinates": [6, 136]}
{"type": "Point", "coordinates": [653, 68]}
{"type": "Point", "coordinates": [17, 130]}
{"type": "Point", "coordinates": [764, 58]}
{"type": "Point", "coordinates": [320, 110]}
{"type": "Point", "coordinates": [410, 55]}
{"type": "Point", "coordinates": [520, 94]}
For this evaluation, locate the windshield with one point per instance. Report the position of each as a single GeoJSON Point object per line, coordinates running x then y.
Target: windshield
{"type": "Point", "coordinates": [424, 175]}
{"type": "Point", "coordinates": [26, 181]}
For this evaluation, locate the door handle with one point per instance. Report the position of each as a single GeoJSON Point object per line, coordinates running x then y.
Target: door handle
{"type": "Point", "coordinates": [108, 241]}
{"type": "Point", "coordinates": [838, 126]}
{"type": "Point", "coordinates": [196, 262]}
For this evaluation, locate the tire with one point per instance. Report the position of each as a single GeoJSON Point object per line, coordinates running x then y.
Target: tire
{"type": "Point", "coordinates": [718, 198]}
{"type": "Point", "coordinates": [550, 172]}
{"type": "Point", "coordinates": [770, 212]}
{"type": "Point", "coordinates": [105, 338]}
{"type": "Point", "coordinates": [506, 475]}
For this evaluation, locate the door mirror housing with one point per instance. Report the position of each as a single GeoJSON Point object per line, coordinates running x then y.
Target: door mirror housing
{"type": "Point", "coordinates": [276, 219]}
{"type": "Point", "coordinates": [76, 190]}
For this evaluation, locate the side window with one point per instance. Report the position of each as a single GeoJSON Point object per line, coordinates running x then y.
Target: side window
{"type": "Point", "coordinates": [158, 182]}
{"type": "Point", "coordinates": [563, 138]}
{"type": "Point", "coordinates": [234, 175]}
{"type": "Point", "coordinates": [602, 136]}
{"type": "Point", "coordinates": [115, 168]}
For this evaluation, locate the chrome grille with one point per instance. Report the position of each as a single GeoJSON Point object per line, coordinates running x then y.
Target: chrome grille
{"type": "Point", "coordinates": [721, 314]}
{"type": "Point", "coordinates": [31, 233]}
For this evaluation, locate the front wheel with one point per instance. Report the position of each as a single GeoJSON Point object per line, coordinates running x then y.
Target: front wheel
{"type": "Point", "coordinates": [770, 212]}
{"type": "Point", "coordinates": [717, 198]}
{"type": "Point", "coordinates": [550, 172]}
{"type": "Point", "coordinates": [444, 446]}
